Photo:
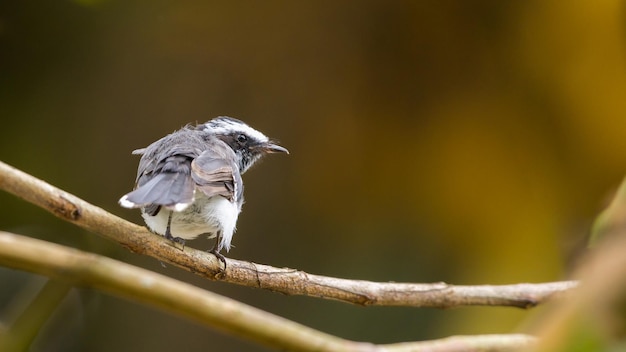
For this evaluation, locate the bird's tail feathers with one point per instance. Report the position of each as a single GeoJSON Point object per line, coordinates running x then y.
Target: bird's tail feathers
{"type": "Point", "coordinates": [172, 190]}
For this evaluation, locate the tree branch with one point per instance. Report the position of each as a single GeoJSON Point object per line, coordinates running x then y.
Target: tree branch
{"type": "Point", "coordinates": [287, 281]}
{"type": "Point", "coordinates": [477, 343]}
{"type": "Point", "coordinates": [143, 286]}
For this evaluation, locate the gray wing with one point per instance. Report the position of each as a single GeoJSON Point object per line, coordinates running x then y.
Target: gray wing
{"type": "Point", "coordinates": [216, 173]}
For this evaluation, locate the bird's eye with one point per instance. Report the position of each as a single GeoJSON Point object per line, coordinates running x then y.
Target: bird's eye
{"type": "Point", "coordinates": [241, 138]}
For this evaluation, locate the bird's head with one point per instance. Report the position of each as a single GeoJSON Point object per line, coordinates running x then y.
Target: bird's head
{"type": "Point", "coordinates": [248, 144]}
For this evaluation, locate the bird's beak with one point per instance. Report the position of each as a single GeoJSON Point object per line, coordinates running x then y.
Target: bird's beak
{"type": "Point", "coordinates": [274, 148]}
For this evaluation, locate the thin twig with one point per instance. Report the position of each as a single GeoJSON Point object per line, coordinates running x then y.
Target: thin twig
{"type": "Point", "coordinates": [284, 280]}
{"type": "Point", "coordinates": [143, 286]}
{"type": "Point", "coordinates": [482, 343]}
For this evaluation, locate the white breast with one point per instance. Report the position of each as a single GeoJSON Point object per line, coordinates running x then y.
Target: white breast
{"type": "Point", "coordinates": [204, 216]}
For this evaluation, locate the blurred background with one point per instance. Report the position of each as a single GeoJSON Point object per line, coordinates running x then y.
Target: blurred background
{"type": "Point", "coordinates": [466, 142]}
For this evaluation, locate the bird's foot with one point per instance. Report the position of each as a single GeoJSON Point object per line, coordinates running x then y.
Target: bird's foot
{"type": "Point", "coordinates": [179, 240]}
{"type": "Point", "coordinates": [221, 258]}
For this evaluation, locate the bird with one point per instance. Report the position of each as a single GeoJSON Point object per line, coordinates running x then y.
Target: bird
{"type": "Point", "coordinates": [189, 182]}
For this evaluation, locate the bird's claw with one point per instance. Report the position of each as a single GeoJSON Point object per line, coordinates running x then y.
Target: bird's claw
{"type": "Point", "coordinates": [178, 240]}
{"type": "Point", "coordinates": [220, 257]}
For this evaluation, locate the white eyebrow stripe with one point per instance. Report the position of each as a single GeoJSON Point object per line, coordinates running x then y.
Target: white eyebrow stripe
{"type": "Point", "coordinates": [227, 126]}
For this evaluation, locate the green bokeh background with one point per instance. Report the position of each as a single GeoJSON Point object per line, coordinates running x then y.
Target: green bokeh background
{"type": "Point", "coordinates": [470, 142]}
